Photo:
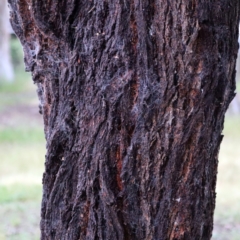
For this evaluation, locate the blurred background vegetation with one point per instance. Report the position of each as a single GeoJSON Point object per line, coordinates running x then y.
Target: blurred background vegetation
{"type": "Point", "coordinates": [22, 150]}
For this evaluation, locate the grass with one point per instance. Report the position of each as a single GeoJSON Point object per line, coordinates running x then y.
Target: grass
{"type": "Point", "coordinates": [20, 84]}
{"type": "Point", "coordinates": [19, 192]}
{"type": "Point", "coordinates": [11, 93]}
{"type": "Point", "coordinates": [22, 134]}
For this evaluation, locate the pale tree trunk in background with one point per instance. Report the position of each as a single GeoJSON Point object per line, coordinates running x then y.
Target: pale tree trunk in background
{"type": "Point", "coordinates": [235, 105]}
{"type": "Point", "coordinates": [133, 97]}
{"type": "Point", "coordinates": [6, 68]}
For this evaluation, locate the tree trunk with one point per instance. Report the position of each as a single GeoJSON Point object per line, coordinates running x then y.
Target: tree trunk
{"type": "Point", "coordinates": [6, 68]}
{"type": "Point", "coordinates": [133, 95]}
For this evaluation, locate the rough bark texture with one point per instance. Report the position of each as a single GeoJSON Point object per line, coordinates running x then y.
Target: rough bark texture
{"type": "Point", "coordinates": [133, 95]}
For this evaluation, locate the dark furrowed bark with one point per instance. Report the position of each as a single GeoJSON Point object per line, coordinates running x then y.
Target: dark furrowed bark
{"type": "Point", "coordinates": [133, 95]}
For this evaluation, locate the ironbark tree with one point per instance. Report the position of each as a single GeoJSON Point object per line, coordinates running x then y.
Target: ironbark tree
{"type": "Point", "coordinates": [133, 95]}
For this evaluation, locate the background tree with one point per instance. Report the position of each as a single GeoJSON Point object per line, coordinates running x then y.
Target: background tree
{"type": "Point", "coordinates": [235, 105]}
{"type": "Point", "coordinates": [6, 69]}
{"type": "Point", "coordinates": [133, 95]}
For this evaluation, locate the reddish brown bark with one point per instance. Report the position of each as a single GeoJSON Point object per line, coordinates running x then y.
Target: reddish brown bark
{"type": "Point", "coordinates": [133, 95]}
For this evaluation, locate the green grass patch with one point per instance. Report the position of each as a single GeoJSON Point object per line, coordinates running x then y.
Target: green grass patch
{"type": "Point", "coordinates": [19, 192]}
{"type": "Point", "coordinates": [19, 91]}
{"type": "Point", "coordinates": [232, 127]}
{"type": "Point", "coordinates": [21, 159]}
{"type": "Point", "coordinates": [22, 82]}
{"type": "Point", "coordinates": [238, 86]}
{"type": "Point", "coordinates": [21, 135]}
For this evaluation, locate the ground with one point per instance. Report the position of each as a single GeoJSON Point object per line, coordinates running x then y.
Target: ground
{"type": "Point", "coordinates": [22, 150]}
